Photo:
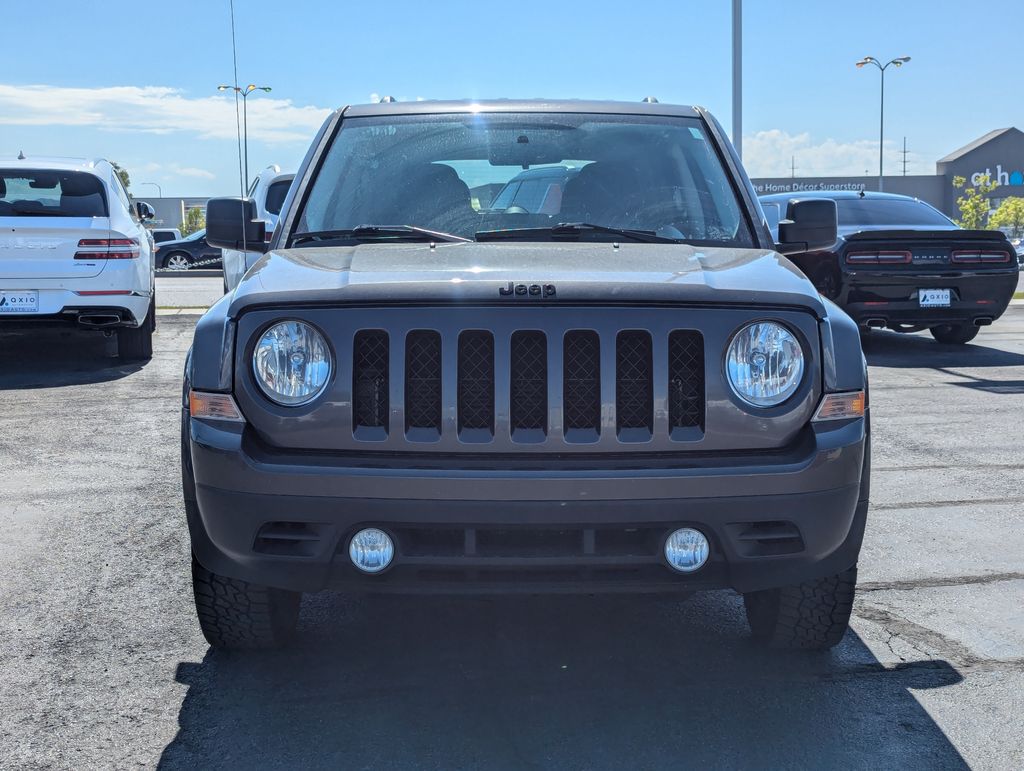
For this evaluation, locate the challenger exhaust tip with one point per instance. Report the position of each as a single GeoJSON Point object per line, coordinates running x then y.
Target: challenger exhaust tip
{"type": "Point", "coordinates": [875, 323]}
{"type": "Point", "coordinates": [982, 321]}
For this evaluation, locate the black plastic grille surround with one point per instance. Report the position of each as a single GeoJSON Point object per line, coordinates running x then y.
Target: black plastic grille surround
{"type": "Point", "coordinates": [370, 379]}
{"type": "Point", "coordinates": [686, 379]}
{"type": "Point", "coordinates": [476, 380]}
{"type": "Point", "coordinates": [581, 380]}
{"type": "Point", "coordinates": [634, 380]}
{"type": "Point", "coordinates": [423, 379]}
{"type": "Point", "coordinates": [528, 397]}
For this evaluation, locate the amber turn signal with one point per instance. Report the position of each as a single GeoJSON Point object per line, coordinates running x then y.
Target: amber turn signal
{"type": "Point", "coordinates": [213, 406]}
{"type": "Point", "coordinates": [841, 406]}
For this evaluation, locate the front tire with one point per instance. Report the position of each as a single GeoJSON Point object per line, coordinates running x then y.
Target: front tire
{"type": "Point", "coordinates": [177, 261]}
{"type": "Point", "coordinates": [955, 334]}
{"type": "Point", "coordinates": [238, 615]}
{"type": "Point", "coordinates": [813, 615]}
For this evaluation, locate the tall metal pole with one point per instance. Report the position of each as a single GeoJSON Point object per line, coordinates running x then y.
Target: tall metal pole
{"type": "Point", "coordinates": [881, 131]}
{"type": "Point", "coordinates": [899, 61]}
{"type": "Point", "coordinates": [737, 76]}
{"type": "Point", "coordinates": [245, 133]}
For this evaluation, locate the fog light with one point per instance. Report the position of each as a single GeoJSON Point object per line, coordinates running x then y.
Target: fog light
{"type": "Point", "coordinates": [371, 550]}
{"type": "Point", "coordinates": [687, 549]}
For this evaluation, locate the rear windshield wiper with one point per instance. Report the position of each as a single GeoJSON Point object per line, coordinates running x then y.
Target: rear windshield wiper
{"type": "Point", "coordinates": [575, 229]}
{"type": "Point", "coordinates": [378, 233]}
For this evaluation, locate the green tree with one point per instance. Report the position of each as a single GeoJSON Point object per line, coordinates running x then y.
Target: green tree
{"type": "Point", "coordinates": [126, 180]}
{"type": "Point", "coordinates": [973, 204]}
{"type": "Point", "coordinates": [1010, 214]}
{"type": "Point", "coordinates": [195, 219]}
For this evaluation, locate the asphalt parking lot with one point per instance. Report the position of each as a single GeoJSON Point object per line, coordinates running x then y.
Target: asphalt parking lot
{"type": "Point", "coordinates": [103, 664]}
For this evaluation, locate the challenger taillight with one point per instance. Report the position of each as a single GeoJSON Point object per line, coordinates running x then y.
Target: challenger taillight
{"type": "Point", "coordinates": [107, 249]}
{"type": "Point", "coordinates": [975, 256]}
{"type": "Point", "coordinates": [877, 258]}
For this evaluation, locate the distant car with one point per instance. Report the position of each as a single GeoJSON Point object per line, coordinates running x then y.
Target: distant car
{"type": "Point", "coordinates": [162, 235]}
{"type": "Point", "coordinates": [268, 191]}
{"type": "Point", "coordinates": [534, 191]}
{"type": "Point", "coordinates": [73, 249]}
{"type": "Point", "coordinates": [189, 252]}
{"type": "Point", "coordinates": [900, 263]}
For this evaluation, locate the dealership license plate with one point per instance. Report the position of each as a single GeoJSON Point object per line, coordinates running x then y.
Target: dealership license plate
{"type": "Point", "coordinates": [19, 301]}
{"type": "Point", "coordinates": [933, 298]}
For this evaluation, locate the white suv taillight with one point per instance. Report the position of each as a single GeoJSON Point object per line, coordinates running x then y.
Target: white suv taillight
{"type": "Point", "coordinates": [107, 249]}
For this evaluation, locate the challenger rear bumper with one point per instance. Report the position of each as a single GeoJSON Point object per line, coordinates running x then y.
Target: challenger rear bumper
{"type": "Point", "coordinates": [280, 520]}
{"type": "Point", "coordinates": [892, 296]}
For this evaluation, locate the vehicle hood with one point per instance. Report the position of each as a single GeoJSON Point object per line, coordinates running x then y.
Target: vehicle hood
{"type": "Point", "coordinates": [474, 273]}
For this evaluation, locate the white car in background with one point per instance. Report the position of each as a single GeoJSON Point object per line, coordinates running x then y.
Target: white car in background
{"type": "Point", "coordinates": [73, 249]}
{"type": "Point", "coordinates": [268, 190]}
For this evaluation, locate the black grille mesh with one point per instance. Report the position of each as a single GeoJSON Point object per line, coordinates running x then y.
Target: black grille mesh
{"type": "Point", "coordinates": [634, 398]}
{"type": "Point", "coordinates": [582, 380]}
{"type": "Point", "coordinates": [528, 399]}
{"type": "Point", "coordinates": [423, 379]}
{"type": "Point", "coordinates": [370, 379]}
{"type": "Point", "coordinates": [476, 380]}
{"type": "Point", "coordinates": [686, 379]}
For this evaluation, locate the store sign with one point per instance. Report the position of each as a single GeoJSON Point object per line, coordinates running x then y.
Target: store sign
{"type": "Point", "coordinates": [1001, 177]}
{"type": "Point", "coordinates": [796, 186]}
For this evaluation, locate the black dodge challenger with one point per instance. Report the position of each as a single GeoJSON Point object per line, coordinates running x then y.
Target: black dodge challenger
{"type": "Point", "coordinates": [902, 264]}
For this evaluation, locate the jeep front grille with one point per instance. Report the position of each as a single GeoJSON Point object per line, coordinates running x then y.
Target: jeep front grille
{"type": "Point", "coordinates": [525, 385]}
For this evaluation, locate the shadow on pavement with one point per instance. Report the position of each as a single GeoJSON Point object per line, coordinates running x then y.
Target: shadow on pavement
{"type": "Point", "coordinates": [581, 682]}
{"type": "Point", "coordinates": [50, 357]}
{"type": "Point", "coordinates": [895, 350]}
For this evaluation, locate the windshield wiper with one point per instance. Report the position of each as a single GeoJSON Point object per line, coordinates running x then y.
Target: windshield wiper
{"type": "Point", "coordinates": [570, 229]}
{"type": "Point", "coordinates": [378, 233]}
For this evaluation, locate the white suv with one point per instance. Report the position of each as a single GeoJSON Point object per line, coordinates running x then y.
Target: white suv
{"type": "Point", "coordinates": [268, 190]}
{"type": "Point", "coordinates": [73, 248]}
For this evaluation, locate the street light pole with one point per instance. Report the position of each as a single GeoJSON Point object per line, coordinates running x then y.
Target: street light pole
{"type": "Point", "coordinates": [244, 93]}
{"type": "Point", "coordinates": [159, 190]}
{"type": "Point", "coordinates": [897, 62]}
{"type": "Point", "coordinates": [737, 76]}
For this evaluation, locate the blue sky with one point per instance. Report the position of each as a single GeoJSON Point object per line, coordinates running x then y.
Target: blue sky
{"type": "Point", "coordinates": [104, 78]}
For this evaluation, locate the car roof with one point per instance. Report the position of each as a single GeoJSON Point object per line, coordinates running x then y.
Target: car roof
{"type": "Point", "coordinates": [431, 107]}
{"type": "Point", "coordinates": [838, 195]}
{"type": "Point", "coordinates": [53, 162]}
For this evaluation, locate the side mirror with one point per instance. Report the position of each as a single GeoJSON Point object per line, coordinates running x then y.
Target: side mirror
{"type": "Point", "coordinates": [231, 224]}
{"type": "Point", "coordinates": [810, 224]}
{"type": "Point", "coordinates": [144, 211]}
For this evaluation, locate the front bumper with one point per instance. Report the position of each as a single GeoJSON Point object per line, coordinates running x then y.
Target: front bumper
{"type": "Point", "coordinates": [892, 296]}
{"type": "Point", "coordinates": [773, 519]}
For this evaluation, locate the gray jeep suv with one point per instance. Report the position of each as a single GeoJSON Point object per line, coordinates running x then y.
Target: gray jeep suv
{"type": "Point", "coordinates": [629, 391]}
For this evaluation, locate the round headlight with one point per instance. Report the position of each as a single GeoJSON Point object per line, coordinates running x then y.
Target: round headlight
{"type": "Point", "coordinates": [292, 363]}
{"type": "Point", "coordinates": [765, 364]}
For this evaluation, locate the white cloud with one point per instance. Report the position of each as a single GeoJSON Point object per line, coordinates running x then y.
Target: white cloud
{"type": "Point", "coordinates": [770, 153]}
{"type": "Point", "coordinates": [157, 110]}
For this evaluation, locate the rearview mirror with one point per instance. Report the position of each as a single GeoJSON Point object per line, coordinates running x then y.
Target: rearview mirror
{"type": "Point", "coordinates": [810, 224]}
{"type": "Point", "coordinates": [231, 224]}
{"type": "Point", "coordinates": [144, 211]}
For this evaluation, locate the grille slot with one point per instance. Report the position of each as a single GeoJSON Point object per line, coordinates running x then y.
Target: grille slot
{"type": "Point", "coordinates": [370, 381]}
{"type": "Point", "coordinates": [289, 539]}
{"type": "Point", "coordinates": [423, 381]}
{"type": "Point", "coordinates": [476, 381]}
{"type": "Point", "coordinates": [685, 380]}
{"type": "Point", "coordinates": [581, 382]}
{"type": "Point", "coordinates": [634, 385]}
{"type": "Point", "coordinates": [528, 387]}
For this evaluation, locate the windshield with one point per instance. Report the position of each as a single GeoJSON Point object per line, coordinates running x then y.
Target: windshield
{"type": "Point", "coordinates": [46, 193]}
{"type": "Point", "coordinates": [470, 173]}
{"type": "Point", "coordinates": [894, 211]}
